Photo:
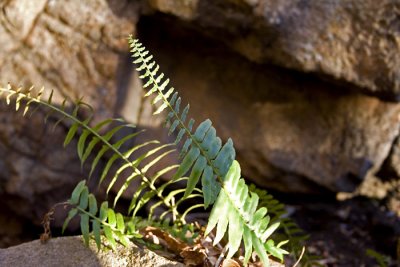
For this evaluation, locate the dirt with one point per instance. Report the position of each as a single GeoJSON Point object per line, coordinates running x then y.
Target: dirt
{"type": "Point", "coordinates": [346, 232]}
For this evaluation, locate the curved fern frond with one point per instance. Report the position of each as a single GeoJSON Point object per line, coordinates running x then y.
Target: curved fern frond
{"type": "Point", "coordinates": [203, 156]}
{"type": "Point", "coordinates": [99, 142]}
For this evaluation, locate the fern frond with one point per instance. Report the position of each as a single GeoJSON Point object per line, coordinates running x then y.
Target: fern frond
{"type": "Point", "coordinates": [237, 207]}
{"type": "Point", "coordinates": [202, 151]}
{"type": "Point", "coordinates": [203, 155]}
{"type": "Point", "coordinates": [103, 220]}
{"type": "Point", "coordinates": [102, 135]}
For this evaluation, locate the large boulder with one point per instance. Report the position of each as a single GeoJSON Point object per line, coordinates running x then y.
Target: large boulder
{"type": "Point", "coordinates": [70, 251]}
{"type": "Point", "coordinates": [74, 48]}
{"type": "Point", "coordinates": [353, 41]}
{"type": "Point", "coordinates": [292, 132]}
{"type": "Point", "coordinates": [36, 171]}
{"type": "Point", "coordinates": [71, 46]}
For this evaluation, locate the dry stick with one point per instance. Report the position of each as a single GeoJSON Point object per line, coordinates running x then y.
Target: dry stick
{"type": "Point", "coordinates": [221, 256]}
{"type": "Point", "coordinates": [301, 256]}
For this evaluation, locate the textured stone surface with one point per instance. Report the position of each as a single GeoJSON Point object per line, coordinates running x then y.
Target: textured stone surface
{"type": "Point", "coordinates": [391, 166]}
{"type": "Point", "coordinates": [290, 131]}
{"type": "Point", "coordinates": [70, 46]}
{"type": "Point", "coordinates": [354, 41]}
{"type": "Point", "coordinates": [70, 251]}
{"type": "Point", "coordinates": [73, 47]}
{"type": "Point", "coordinates": [36, 171]}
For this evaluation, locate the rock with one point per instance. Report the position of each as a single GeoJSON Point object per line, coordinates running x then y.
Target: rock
{"type": "Point", "coordinates": [292, 132]}
{"type": "Point", "coordinates": [70, 251]}
{"type": "Point", "coordinates": [37, 172]}
{"type": "Point", "coordinates": [73, 47]}
{"type": "Point", "coordinates": [66, 46]}
{"type": "Point", "coordinates": [391, 166]}
{"type": "Point", "coordinates": [353, 41]}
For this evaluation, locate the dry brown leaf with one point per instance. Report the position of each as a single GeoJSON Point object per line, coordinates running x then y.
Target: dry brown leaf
{"type": "Point", "coordinates": [230, 263]}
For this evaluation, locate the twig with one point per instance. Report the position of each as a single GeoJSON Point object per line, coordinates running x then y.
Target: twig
{"type": "Point", "coordinates": [221, 256]}
{"type": "Point", "coordinates": [301, 256]}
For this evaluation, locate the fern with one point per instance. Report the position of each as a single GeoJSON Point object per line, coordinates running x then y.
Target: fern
{"type": "Point", "coordinates": [236, 214]}
{"type": "Point", "coordinates": [235, 208]}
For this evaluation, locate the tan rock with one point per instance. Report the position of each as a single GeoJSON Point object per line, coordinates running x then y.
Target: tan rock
{"type": "Point", "coordinates": [73, 47]}
{"type": "Point", "coordinates": [291, 132]}
{"type": "Point", "coordinates": [70, 251]}
{"type": "Point", "coordinates": [353, 41]}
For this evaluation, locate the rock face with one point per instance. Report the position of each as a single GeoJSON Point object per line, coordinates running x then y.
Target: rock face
{"type": "Point", "coordinates": [70, 251]}
{"type": "Point", "coordinates": [290, 132]}
{"type": "Point", "coordinates": [354, 41]}
{"type": "Point", "coordinates": [73, 47]}
{"type": "Point", "coordinates": [48, 44]}
{"type": "Point", "coordinates": [295, 104]}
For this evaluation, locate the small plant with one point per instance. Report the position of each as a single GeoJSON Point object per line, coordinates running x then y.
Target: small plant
{"type": "Point", "coordinates": [241, 216]}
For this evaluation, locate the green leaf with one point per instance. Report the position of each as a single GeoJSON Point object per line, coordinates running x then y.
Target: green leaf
{"type": "Point", "coordinates": [89, 148]}
{"type": "Point", "coordinates": [197, 170]}
{"type": "Point", "coordinates": [202, 130]}
{"type": "Point", "coordinates": [110, 237]}
{"type": "Point", "coordinates": [71, 214]}
{"type": "Point", "coordinates": [123, 239]}
{"type": "Point", "coordinates": [74, 200]}
{"type": "Point", "coordinates": [92, 204]}
{"type": "Point", "coordinates": [120, 222]}
{"type": "Point", "coordinates": [179, 136]}
{"type": "Point", "coordinates": [235, 232]}
{"type": "Point", "coordinates": [269, 231]}
{"type": "Point", "coordinates": [248, 245]}
{"type": "Point", "coordinates": [124, 187]}
{"type": "Point", "coordinates": [210, 187]}
{"type": "Point", "coordinates": [259, 248]}
{"type": "Point", "coordinates": [184, 113]}
{"type": "Point", "coordinates": [103, 211]}
{"type": "Point", "coordinates": [85, 227]}
{"type": "Point", "coordinates": [185, 147]}
{"type": "Point", "coordinates": [223, 220]}
{"type": "Point", "coordinates": [225, 157]}
{"type": "Point", "coordinates": [84, 199]}
{"type": "Point", "coordinates": [111, 217]}
{"type": "Point", "coordinates": [71, 133]}
{"type": "Point", "coordinates": [275, 250]}
{"type": "Point", "coordinates": [173, 127]}
{"type": "Point", "coordinates": [106, 169]}
{"type": "Point", "coordinates": [97, 233]}
{"type": "Point", "coordinates": [187, 162]}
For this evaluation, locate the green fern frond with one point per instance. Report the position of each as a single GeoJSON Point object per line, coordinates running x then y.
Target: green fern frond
{"type": "Point", "coordinates": [98, 142]}
{"type": "Point", "coordinates": [235, 208]}
{"type": "Point", "coordinates": [202, 152]}
{"type": "Point", "coordinates": [100, 220]}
